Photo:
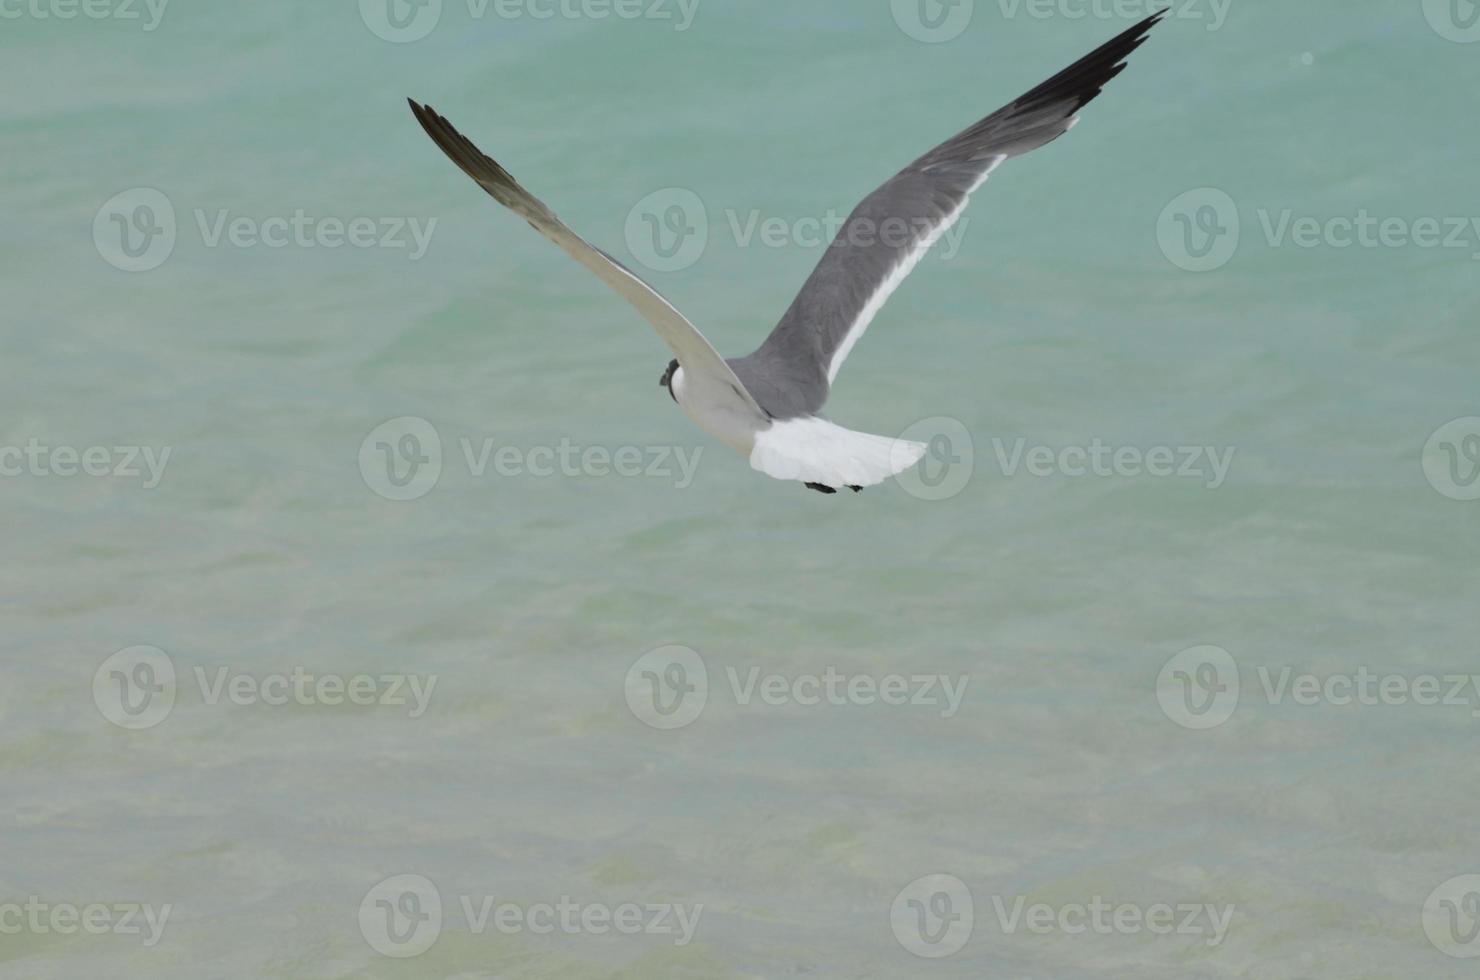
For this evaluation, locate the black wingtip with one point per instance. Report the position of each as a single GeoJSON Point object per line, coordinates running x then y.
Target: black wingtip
{"type": "Point", "coordinates": [1083, 80]}
{"type": "Point", "coordinates": [1149, 22]}
{"type": "Point", "coordinates": [425, 114]}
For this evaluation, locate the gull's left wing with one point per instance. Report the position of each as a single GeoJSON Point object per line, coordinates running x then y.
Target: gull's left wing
{"type": "Point", "coordinates": [694, 352]}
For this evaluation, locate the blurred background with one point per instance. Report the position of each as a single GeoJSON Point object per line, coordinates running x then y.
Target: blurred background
{"type": "Point", "coordinates": [330, 647]}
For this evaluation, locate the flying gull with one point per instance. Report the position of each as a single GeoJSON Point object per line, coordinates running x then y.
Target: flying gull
{"type": "Point", "coordinates": [766, 405]}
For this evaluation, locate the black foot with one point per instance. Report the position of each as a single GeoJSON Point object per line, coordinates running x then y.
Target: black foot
{"type": "Point", "coordinates": [853, 488]}
{"type": "Point", "coordinates": [820, 488]}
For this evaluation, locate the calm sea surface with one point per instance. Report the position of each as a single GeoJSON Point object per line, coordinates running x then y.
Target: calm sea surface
{"type": "Point", "coordinates": [367, 610]}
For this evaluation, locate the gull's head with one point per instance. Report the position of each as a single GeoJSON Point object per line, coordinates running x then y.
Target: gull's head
{"type": "Point", "coordinates": [667, 380]}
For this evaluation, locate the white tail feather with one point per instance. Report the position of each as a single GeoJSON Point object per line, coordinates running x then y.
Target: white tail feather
{"type": "Point", "coordinates": [814, 450]}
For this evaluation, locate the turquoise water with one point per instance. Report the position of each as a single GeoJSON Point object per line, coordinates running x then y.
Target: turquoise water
{"type": "Point", "coordinates": [1200, 386]}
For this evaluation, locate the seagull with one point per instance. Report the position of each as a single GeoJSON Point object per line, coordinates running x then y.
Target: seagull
{"type": "Point", "coordinates": [766, 405]}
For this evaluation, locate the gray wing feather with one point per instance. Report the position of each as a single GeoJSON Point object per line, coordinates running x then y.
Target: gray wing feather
{"type": "Point", "coordinates": [791, 373]}
{"type": "Point", "coordinates": [689, 346]}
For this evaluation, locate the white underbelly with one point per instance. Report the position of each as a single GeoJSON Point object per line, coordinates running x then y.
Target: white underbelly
{"type": "Point", "coordinates": [719, 411]}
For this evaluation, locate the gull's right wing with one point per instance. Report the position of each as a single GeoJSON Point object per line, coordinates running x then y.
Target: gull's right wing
{"type": "Point", "coordinates": [892, 229]}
